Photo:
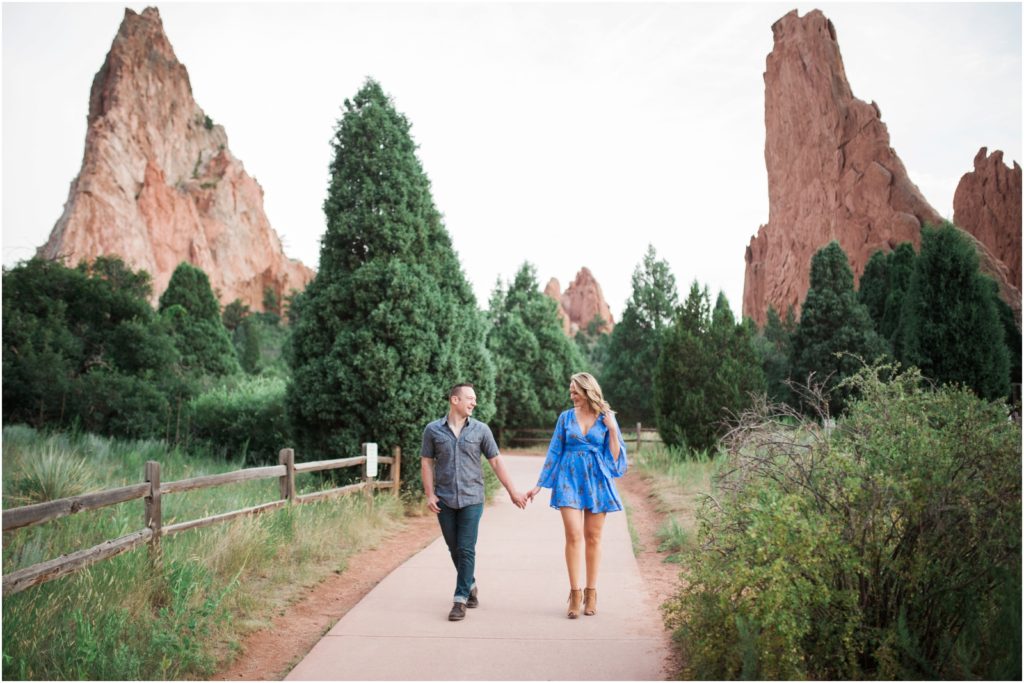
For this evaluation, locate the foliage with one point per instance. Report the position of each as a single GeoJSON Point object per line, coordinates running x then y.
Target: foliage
{"type": "Point", "coordinates": [635, 344]}
{"type": "Point", "coordinates": [951, 327]}
{"type": "Point", "coordinates": [83, 346]}
{"type": "Point", "coordinates": [389, 322]}
{"type": "Point", "coordinates": [592, 342]}
{"type": "Point", "coordinates": [192, 311]}
{"type": "Point", "coordinates": [874, 287]}
{"type": "Point", "coordinates": [773, 346]}
{"type": "Point", "coordinates": [834, 329]}
{"type": "Point", "coordinates": [706, 370]}
{"type": "Point", "coordinates": [246, 423]}
{"type": "Point", "coordinates": [826, 554]}
{"type": "Point", "coordinates": [533, 358]}
{"type": "Point", "coordinates": [234, 313]}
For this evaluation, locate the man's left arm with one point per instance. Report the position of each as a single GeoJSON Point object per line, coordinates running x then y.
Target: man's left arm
{"type": "Point", "coordinates": [490, 450]}
{"type": "Point", "coordinates": [498, 465]}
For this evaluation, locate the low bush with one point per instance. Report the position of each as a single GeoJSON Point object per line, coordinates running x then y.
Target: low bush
{"type": "Point", "coordinates": [246, 422]}
{"type": "Point", "coordinates": [886, 547]}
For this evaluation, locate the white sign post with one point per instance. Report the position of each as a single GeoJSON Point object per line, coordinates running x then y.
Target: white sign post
{"type": "Point", "coordinates": [370, 451]}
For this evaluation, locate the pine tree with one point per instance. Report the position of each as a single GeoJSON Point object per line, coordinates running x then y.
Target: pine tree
{"type": "Point", "coordinates": [390, 322]}
{"type": "Point", "coordinates": [773, 346]}
{"type": "Point", "coordinates": [833, 322]}
{"type": "Point", "coordinates": [738, 374]}
{"type": "Point", "coordinates": [951, 328]}
{"type": "Point", "coordinates": [874, 287]}
{"type": "Point", "coordinates": [635, 344]}
{"type": "Point", "coordinates": [901, 266]}
{"type": "Point", "coordinates": [194, 314]}
{"type": "Point", "coordinates": [533, 357]}
{"type": "Point", "coordinates": [684, 376]}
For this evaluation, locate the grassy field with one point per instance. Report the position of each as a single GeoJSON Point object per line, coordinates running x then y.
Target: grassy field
{"type": "Point", "coordinates": [123, 619]}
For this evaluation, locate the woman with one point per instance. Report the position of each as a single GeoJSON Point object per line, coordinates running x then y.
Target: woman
{"type": "Point", "coordinates": [586, 453]}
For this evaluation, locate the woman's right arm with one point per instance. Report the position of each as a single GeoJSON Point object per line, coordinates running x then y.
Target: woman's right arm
{"type": "Point", "coordinates": [547, 473]}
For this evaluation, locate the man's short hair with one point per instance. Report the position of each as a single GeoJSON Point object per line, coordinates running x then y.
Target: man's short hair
{"type": "Point", "coordinates": [455, 389]}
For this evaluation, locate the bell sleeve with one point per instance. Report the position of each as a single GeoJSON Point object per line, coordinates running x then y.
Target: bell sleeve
{"type": "Point", "coordinates": [554, 457]}
{"type": "Point", "coordinates": [613, 468]}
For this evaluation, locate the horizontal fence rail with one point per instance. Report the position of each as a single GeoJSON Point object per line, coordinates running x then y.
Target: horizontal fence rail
{"type": "Point", "coordinates": [534, 436]}
{"type": "Point", "coordinates": [151, 492]}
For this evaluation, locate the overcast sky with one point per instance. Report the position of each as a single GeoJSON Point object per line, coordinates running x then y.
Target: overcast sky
{"type": "Point", "coordinates": [560, 133]}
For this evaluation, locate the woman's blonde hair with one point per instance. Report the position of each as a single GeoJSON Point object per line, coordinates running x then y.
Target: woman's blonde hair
{"type": "Point", "coordinates": [591, 390]}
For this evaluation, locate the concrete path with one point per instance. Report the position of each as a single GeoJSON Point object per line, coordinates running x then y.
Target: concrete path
{"type": "Point", "coordinates": [400, 630]}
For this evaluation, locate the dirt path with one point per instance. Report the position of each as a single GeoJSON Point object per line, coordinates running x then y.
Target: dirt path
{"type": "Point", "coordinates": [660, 577]}
{"type": "Point", "coordinates": [270, 653]}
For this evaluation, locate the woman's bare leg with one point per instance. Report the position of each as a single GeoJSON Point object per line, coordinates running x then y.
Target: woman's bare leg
{"type": "Point", "coordinates": [593, 526]}
{"type": "Point", "coordinates": [572, 520]}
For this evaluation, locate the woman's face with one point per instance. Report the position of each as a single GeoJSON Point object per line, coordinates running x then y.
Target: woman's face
{"type": "Point", "coordinates": [576, 396]}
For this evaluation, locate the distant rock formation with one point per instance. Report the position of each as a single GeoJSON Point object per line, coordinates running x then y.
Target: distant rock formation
{"type": "Point", "coordinates": [580, 303]}
{"type": "Point", "coordinates": [158, 184]}
{"type": "Point", "coordinates": [987, 204]}
{"type": "Point", "coordinates": [832, 174]}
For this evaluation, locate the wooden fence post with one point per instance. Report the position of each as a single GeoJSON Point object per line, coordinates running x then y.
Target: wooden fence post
{"type": "Point", "coordinates": [287, 458]}
{"type": "Point", "coordinates": [639, 436]}
{"type": "Point", "coordinates": [396, 469]}
{"type": "Point", "coordinates": [154, 513]}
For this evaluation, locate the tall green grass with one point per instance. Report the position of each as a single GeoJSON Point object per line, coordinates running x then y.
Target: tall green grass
{"type": "Point", "coordinates": [124, 619]}
{"type": "Point", "coordinates": [681, 480]}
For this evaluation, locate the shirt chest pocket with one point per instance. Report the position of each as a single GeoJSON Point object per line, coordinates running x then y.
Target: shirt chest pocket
{"type": "Point", "coordinates": [441, 444]}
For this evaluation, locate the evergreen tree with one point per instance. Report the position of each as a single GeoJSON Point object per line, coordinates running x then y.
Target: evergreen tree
{"type": "Point", "coordinates": [901, 266]}
{"type": "Point", "coordinates": [684, 376]}
{"type": "Point", "coordinates": [533, 357]}
{"type": "Point", "coordinates": [773, 346]}
{"type": "Point", "coordinates": [390, 322]}
{"type": "Point", "coordinates": [874, 287]}
{"type": "Point", "coordinates": [634, 345]}
{"type": "Point", "coordinates": [234, 313]}
{"type": "Point", "coordinates": [1012, 337]}
{"type": "Point", "coordinates": [738, 374]}
{"type": "Point", "coordinates": [951, 328]}
{"type": "Point", "coordinates": [190, 307]}
{"type": "Point", "coordinates": [833, 322]}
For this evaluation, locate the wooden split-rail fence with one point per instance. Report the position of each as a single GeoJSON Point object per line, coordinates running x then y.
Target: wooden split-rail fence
{"type": "Point", "coordinates": [542, 436]}
{"type": "Point", "coordinates": [152, 490]}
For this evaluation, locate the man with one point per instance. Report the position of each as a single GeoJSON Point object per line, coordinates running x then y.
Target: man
{"type": "Point", "coordinates": [453, 482]}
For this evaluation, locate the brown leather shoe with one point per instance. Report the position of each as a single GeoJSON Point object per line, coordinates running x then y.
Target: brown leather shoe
{"type": "Point", "coordinates": [575, 598]}
{"type": "Point", "coordinates": [458, 612]}
{"type": "Point", "coordinates": [590, 601]}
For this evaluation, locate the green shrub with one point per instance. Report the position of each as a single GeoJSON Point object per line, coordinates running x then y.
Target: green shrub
{"type": "Point", "coordinates": [887, 547]}
{"type": "Point", "coordinates": [55, 472]}
{"type": "Point", "coordinates": [247, 422]}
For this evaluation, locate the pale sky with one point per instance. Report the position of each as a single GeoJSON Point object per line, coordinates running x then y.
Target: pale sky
{"type": "Point", "coordinates": [566, 134]}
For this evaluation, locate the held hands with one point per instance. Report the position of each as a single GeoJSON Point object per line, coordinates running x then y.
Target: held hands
{"type": "Point", "coordinates": [531, 493]}
{"type": "Point", "coordinates": [518, 499]}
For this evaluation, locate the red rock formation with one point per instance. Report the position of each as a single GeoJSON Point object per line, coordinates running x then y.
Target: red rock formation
{"type": "Point", "coordinates": [987, 204]}
{"type": "Point", "coordinates": [578, 305]}
{"type": "Point", "coordinates": [158, 184]}
{"type": "Point", "coordinates": [554, 291]}
{"type": "Point", "coordinates": [832, 174]}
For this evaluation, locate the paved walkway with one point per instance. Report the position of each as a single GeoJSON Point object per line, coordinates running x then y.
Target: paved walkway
{"type": "Point", "coordinates": [400, 630]}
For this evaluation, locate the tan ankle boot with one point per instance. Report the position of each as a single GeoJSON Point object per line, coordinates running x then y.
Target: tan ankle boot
{"type": "Point", "coordinates": [575, 598]}
{"type": "Point", "coordinates": [590, 601]}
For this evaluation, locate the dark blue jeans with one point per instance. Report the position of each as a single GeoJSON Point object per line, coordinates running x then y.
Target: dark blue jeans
{"type": "Point", "coordinates": [459, 526]}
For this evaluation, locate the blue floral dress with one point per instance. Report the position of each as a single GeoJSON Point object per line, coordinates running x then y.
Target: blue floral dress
{"type": "Point", "coordinates": [580, 467]}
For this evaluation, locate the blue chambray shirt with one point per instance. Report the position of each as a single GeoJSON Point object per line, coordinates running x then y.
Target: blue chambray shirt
{"type": "Point", "coordinates": [458, 476]}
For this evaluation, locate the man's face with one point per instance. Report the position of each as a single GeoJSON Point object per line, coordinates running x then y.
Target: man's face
{"type": "Point", "coordinates": [464, 402]}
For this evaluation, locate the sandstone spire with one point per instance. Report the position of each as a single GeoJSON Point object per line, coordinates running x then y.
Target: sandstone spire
{"type": "Point", "coordinates": [158, 184]}
{"type": "Point", "coordinates": [580, 303]}
{"type": "Point", "coordinates": [832, 174]}
{"type": "Point", "coordinates": [987, 204]}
